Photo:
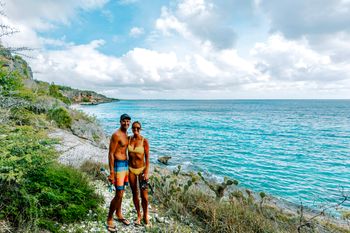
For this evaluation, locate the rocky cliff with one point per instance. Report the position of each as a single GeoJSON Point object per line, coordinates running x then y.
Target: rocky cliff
{"type": "Point", "coordinates": [15, 63]}
{"type": "Point", "coordinates": [84, 96]}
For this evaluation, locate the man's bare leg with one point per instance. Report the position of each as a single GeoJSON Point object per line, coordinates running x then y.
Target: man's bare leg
{"type": "Point", "coordinates": [115, 206]}
{"type": "Point", "coordinates": [118, 209]}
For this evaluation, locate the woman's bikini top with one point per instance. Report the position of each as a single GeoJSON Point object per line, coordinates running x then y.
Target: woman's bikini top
{"type": "Point", "coordinates": [138, 149]}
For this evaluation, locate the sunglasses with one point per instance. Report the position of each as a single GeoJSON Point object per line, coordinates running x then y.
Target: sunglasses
{"type": "Point", "coordinates": [136, 128]}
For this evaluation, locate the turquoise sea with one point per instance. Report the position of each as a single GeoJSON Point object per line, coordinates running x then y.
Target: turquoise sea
{"type": "Point", "coordinates": [298, 150]}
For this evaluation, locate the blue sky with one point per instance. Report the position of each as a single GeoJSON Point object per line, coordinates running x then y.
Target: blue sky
{"type": "Point", "coordinates": [111, 23]}
{"type": "Point", "coordinates": [195, 49]}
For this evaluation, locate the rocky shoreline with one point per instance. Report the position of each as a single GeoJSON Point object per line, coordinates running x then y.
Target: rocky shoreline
{"type": "Point", "coordinates": [75, 150]}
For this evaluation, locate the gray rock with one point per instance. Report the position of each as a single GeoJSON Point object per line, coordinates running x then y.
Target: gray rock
{"type": "Point", "coordinates": [75, 150]}
{"type": "Point", "coordinates": [164, 159]}
{"type": "Point", "coordinates": [90, 131]}
{"type": "Point", "coordinates": [160, 219]}
{"type": "Point", "coordinates": [44, 104]}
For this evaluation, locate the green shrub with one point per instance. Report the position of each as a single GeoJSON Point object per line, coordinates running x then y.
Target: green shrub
{"type": "Point", "coordinates": [63, 193]}
{"type": "Point", "coordinates": [54, 193]}
{"type": "Point", "coordinates": [41, 88]}
{"type": "Point", "coordinates": [93, 169]}
{"type": "Point", "coordinates": [80, 115]}
{"type": "Point", "coordinates": [9, 81]}
{"type": "Point", "coordinates": [182, 199]}
{"type": "Point", "coordinates": [345, 215]}
{"type": "Point", "coordinates": [25, 93]}
{"type": "Point", "coordinates": [54, 91]}
{"type": "Point", "coordinates": [22, 116]}
{"type": "Point", "coordinates": [36, 192]}
{"type": "Point", "coordinates": [85, 99]}
{"type": "Point", "coordinates": [61, 116]}
{"type": "Point", "coordinates": [22, 149]}
{"type": "Point", "coordinates": [19, 208]}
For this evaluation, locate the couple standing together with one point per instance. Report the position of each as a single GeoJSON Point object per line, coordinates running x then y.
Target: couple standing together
{"type": "Point", "coordinates": [123, 169]}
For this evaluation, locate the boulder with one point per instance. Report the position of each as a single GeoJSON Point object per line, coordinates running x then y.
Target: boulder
{"type": "Point", "coordinates": [90, 131]}
{"type": "Point", "coordinates": [164, 159]}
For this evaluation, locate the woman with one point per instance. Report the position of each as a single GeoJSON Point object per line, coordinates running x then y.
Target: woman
{"type": "Point", "coordinates": [138, 149]}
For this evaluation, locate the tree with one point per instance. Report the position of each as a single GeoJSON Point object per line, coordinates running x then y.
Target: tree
{"type": "Point", "coordinates": [6, 30]}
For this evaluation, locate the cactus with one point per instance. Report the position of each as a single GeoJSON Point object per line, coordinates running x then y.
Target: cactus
{"type": "Point", "coordinates": [262, 196]}
{"type": "Point", "coordinates": [188, 185]}
{"type": "Point", "coordinates": [250, 198]}
{"type": "Point", "coordinates": [176, 173]}
{"type": "Point", "coordinates": [237, 194]}
{"type": "Point", "coordinates": [219, 189]}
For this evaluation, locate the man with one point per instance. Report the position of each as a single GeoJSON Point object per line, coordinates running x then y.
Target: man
{"type": "Point", "coordinates": [118, 166]}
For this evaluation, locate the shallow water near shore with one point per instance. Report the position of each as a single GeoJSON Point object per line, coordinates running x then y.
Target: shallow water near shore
{"type": "Point", "coordinates": [298, 150]}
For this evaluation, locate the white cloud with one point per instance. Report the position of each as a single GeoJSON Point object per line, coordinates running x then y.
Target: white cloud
{"type": "Point", "coordinates": [168, 23]}
{"type": "Point", "coordinates": [25, 36]}
{"type": "Point", "coordinates": [288, 67]}
{"type": "Point", "coordinates": [200, 19]}
{"type": "Point", "coordinates": [195, 8]}
{"type": "Point", "coordinates": [43, 14]}
{"type": "Point", "coordinates": [85, 66]}
{"type": "Point", "coordinates": [78, 64]}
{"type": "Point", "coordinates": [192, 53]}
{"type": "Point", "coordinates": [298, 18]}
{"type": "Point", "coordinates": [136, 32]}
{"type": "Point", "coordinates": [295, 61]}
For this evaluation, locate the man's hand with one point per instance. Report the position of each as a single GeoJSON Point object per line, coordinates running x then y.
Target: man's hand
{"type": "Point", "coordinates": [111, 178]}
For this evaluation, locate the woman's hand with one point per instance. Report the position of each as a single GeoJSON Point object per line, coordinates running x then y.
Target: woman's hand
{"type": "Point", "coordinates": [145, 175]}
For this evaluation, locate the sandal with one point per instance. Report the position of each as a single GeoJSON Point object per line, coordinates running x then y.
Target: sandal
{"type": "Point", "coordinates": [111, 228]}
{"type": "Point", "coordinates": [149, 224]}
{"type": "Point", "coordinates": [137, 223]}
{"type": "Point", "coordinates": [123, 220]}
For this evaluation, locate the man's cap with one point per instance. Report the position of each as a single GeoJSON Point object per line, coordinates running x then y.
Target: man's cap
{"type": "Point", "coordinates": [125, 116]}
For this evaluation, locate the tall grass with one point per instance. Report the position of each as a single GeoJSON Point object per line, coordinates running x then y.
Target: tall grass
{"type": "Point", "coordinates": [193, 203]}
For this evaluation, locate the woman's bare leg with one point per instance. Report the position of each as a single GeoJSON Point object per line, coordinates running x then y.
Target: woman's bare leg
{"type": "Point", "coordinates": [135, 195]}
{"type": "Point", "coordinates": [144, 202]}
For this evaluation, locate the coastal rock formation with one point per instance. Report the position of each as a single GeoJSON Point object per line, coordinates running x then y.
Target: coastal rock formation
{"type": "Point", "coordinates": [75, 150]}
{"type": "Point", "coordinates": [84, 97]}
{"type": "Point", "coordinates": [39, 105]}
{"type": "Point", "coordinates": [164, 159]}
{"type": "Point", "coordinates": [90, 131]}
{"type": "Point", "coordinates": [15, 63]}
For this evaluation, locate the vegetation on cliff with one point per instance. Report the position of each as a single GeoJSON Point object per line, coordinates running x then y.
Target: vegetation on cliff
{"type": "Point", "coordinates": [37, 192]}
{"type": "Point", "coordinates": [196, 202]}
{"type": "Point", "coordinates": [84, 97]}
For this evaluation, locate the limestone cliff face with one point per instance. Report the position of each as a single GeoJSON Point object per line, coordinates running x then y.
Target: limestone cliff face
{"type": "Point", "coordinates": [85, 97]}
{"type": "Point", "coordinates": [15, 63]}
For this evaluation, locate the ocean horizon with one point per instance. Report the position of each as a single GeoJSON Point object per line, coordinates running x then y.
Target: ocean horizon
{"type": "Point", "coordinates": [296, 150]}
